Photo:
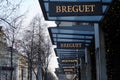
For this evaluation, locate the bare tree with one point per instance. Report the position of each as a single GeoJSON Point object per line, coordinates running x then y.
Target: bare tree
{"type": "Point", "coordinates": [11, 33]}
{"type": "Point", "coordinates": [26, 45]}
{"type": "Point", "coordinates": [36, 47]}
{"type": "Point", "coordinates": [39, 48]}
{"type": "Point", "coordinates": [12, 21]}
{"type": "Point", "coordinates": [31, 49]}
{"type": "Point", "coordinates": [47, 58]}
{"type": "Point", "coordinates": [8, 8]}
{"type": "Point", "coordinates": [44, 50]}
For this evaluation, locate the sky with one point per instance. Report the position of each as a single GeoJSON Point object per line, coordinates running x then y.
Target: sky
{"type": "Point", "coordinates": [33, 8]}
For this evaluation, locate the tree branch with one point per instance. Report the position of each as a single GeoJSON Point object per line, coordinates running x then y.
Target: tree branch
{"type": "Point", "coordinates": [7, 22]}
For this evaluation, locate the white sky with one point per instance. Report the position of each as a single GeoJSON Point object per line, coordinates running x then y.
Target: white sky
{"type": "Point", "coordinates": [33, 8]}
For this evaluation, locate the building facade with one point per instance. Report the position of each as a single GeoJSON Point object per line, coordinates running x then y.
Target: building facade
{"type": "Point", "coordinates": [5, 59]}
{"type": "Point", "coordinates": [22, 67]}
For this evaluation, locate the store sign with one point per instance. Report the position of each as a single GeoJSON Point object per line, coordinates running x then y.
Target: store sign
{"type": "Point", "coordinates": [66, 70]}
{"type": "Point", "coordinates": [70, 45]}
{"type": "Point", "coordinates": [70, 72]}
{"type": "Point", "coordinates": [69, 61]}
{"type": "Point", "coordinates": [69, 67]}
{"type": "Point", "coordinates": [74, 8]}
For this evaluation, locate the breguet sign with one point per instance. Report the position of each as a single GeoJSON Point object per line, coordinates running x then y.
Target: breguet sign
{"type": "Point", "coordinates": [70, 45]}
{"type": "Point", "coordinates": [74, 8]}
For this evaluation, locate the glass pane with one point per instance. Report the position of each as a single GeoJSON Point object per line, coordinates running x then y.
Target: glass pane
{"type": "Point", "coordinates": [106, 0]}
{"type": "Point", "coordinates": [70, 31]}
{"type": "Point", "coordinates": [71, 36]}
{"type": "Point", "coordinates": [77, 18]}
{"type": "Point", "coordinates": [77, 0]}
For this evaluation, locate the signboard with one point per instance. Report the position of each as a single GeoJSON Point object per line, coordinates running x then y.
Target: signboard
{"type": "Point", "coordinates": [67, 72]}
{"type": "Point", "coordinates": [65, 69]}
{"type": "Point", "coordinates": [68, 61]}
{"type": "Point", "coordinates": [74, 8]}
{"type": "Point", "coordinates": [69, 67]}
{"type": "Point", "coordinates": [70, 45]}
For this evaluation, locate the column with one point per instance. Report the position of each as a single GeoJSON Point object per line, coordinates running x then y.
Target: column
{"type": "Point", "coordinates": [83, 68]}
{"type": "Point", "coordinates": [88, 64]}
{"type": "Point", "coordinates": [100, 53]}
